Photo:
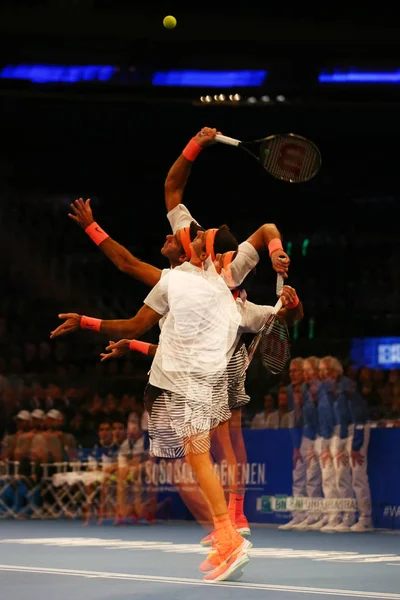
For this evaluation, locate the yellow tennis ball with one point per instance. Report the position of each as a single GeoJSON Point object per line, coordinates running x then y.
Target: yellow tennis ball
{"type": "Point", "coordinates": [169, 22]}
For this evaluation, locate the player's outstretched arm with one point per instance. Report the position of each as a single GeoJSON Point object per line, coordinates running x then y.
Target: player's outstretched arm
{"type": "Point", "coordinates": [179, 172]}
{"type": "Point", "coordinates": [119, 255]}
{"type": "Point", "coordinates": [144, 320]}
{"type": "Point", "coordinates": [117, 349]}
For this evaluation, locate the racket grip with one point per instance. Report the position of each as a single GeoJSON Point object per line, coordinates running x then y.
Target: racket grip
{"type": "Point", "coordinates": [279, 284]}
{"type": "Point", "coordinates": [226, 140]}
{"type": "Point", "coordinates": [277, 306]}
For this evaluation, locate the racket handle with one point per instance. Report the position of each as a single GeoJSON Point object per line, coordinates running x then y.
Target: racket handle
{"type": "Point", "coordinates": [279, 284]}
{"type": "Point", "coordinates": [277, 306]}
{"type": "Point", "coordinates": [227, 140]}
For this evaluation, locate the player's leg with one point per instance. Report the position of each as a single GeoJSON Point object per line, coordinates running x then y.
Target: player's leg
{"type": "Point", "coordinates": [122, 477]}
{"type": "Point", "coordinates": [163, 409]}
{"type": "Point", "coordinates": [197, 503]}
{"type": "Point", "coordinates": [222, 451]}
{"type": "Point", "coordinates": [236, 497]}
{"type": "Point", "coordinates": [237, 398]}
{"type": "Point", "coordinates": [231, 547]}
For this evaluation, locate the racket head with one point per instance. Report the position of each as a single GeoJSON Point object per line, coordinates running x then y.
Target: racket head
{"type": "Point", "coordinates": [290, 157]}
{"type": "Point", "coordinates": [253, 347]}
{"type": "Point", "coordinates": [275, 346]}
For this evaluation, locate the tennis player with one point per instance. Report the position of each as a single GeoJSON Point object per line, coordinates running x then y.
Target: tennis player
{"type": "Point", "coordinates": [187, 395]}
{"type": "Point", "coordinates": [177, 249]}
{"type": "Point", "coordinates": [234, 267]}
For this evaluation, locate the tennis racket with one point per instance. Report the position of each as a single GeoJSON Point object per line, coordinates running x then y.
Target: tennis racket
{"type": "Point", "coordinates": [288, 157]}
{"type": "Point", "coordinates": [274, 339]}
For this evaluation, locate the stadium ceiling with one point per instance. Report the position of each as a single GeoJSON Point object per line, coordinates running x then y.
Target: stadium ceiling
{"type": "Point", "coordinates": [114, 31]}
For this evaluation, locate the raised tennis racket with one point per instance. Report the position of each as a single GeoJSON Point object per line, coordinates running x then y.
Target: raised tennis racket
{"type": "Point", "coordinates": [288, 157]}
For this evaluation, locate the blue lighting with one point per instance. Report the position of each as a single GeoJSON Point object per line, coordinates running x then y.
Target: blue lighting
{"type": "Point", "coordinates": [58, 73]}
{"type": "Point", "coordinates": [217, 79]}
{"type": "Point", "coordinates": [378, 353]}
{"type": "Point", "coordinates": [360, 77]}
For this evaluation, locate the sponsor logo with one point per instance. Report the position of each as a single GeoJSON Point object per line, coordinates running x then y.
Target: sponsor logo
{"type": "Point", "coordinates": [282, 503]}
{"type": "Point", "coordinates": [391, 511]}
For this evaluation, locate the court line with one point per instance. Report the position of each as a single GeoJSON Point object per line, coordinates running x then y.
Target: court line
{"type": "Point", "coordinates": [200, 582]}
{"type": "Point", "coordinates": [170, 547]}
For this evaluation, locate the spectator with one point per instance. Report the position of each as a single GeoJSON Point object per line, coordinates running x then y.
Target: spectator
{"type": "Point", "coordinates": [131, 463]}
{"type": "Point", "coordinates": [268, 418]}
{"type": "Point", "coordinates": [283, 412]}
{"type": "Point", "coordinates": [39, 453]}
{"type": "Point", "coordinates": [22, 422]}
{"type": "Point", "coordinates": [295, 401]}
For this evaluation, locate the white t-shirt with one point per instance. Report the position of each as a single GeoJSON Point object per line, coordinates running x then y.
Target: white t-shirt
{"type": "Point", "coordinates": [200, 328]}
{"type": "Point", "coordinates": [252, 318]}
{"type": "Point", "coordinates": [243, 263]}
{"type": "Point", "coordinates": [179, 217]}
{"type": "Point", "coordinates": [245, 260]}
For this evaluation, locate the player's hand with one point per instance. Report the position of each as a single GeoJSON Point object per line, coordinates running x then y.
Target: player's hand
{"type": "Point", "coordinates": [81, 213]}
{"type": "Point", "coordinates": [288, 295]}
{"type": "Point", "coordinates": [206, 137]}
{"type": "Point", "coordinates": [72, 323]}
{"type": "Point", "coordinates": [280, 262]}
{"type": "Point", "coordinates": [357, 458]}
{"type": "Point", "coordinates": [115, 350]}
{"type": "Point", "coordinates": [296, 457]}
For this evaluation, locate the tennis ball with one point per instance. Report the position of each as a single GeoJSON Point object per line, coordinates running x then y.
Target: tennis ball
{"type": "Point", "coordinates": [169, 22]}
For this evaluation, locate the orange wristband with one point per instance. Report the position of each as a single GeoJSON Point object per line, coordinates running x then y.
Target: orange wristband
{"type": "Point", "coordinates": [192, 150]}
{"type": "Point", "coordinates": [274, 245]}
{"type": "Point", "coordinates": [96, 233]}
{"type": "Point", "coordinates": [90, 323]}
{"type": "Point", "coordinates": [293, 304]}
{"type": "Point", "coordinates": [142, 347]}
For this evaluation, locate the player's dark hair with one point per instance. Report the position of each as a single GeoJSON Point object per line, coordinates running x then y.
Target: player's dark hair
{"type": "Point", "coordinates": [224, 240]}
{"type": "Point", "coordinates": [194, 228]}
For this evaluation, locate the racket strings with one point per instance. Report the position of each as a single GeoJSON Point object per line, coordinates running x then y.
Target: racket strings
{"type": "Point", "coordinates": [275, 347]}
{"type": "Point", "coordinates": [290, 159]}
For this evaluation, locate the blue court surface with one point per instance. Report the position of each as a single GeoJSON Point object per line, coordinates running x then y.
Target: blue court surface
{"type": "Point", "coordinates": [66, 561]}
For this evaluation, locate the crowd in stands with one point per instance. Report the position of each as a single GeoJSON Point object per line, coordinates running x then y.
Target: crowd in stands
{"type": "Point", "coordinates": [67, 376]}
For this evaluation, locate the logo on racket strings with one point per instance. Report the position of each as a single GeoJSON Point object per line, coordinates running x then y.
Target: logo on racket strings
{"type": "Point", "coordinates": [291, 158]}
